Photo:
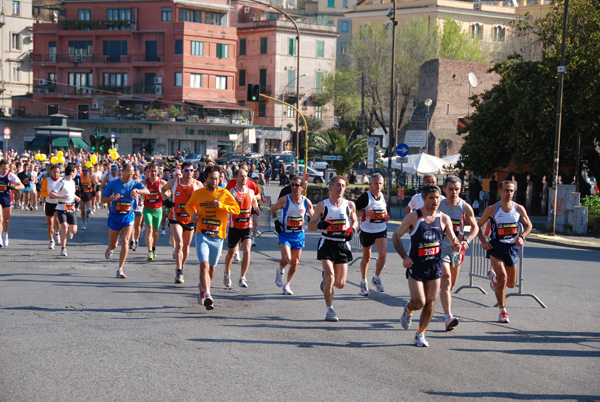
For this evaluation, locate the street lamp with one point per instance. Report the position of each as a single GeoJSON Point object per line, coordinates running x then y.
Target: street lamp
{"type": "Point", "coordinates": [283, 106]}
{"type": "Point", "coordinates": [428, 102]}
{"type": "Point", "coordinates": [391, 133]}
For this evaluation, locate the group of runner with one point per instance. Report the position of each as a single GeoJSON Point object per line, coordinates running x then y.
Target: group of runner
{"type": "Point", "coordinates": [436, 226]}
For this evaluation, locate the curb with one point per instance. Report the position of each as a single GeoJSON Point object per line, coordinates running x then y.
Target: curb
{"type": "Point", "coordinates": [561, 241]}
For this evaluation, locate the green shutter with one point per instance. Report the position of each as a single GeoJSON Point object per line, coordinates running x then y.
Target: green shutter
{"type": "Point", "coordinates": [319, 82]}
{"type": "Point", "coordinates": [292, 47]}
{"type": "Point", "coordinates": [291, 81]}
{"type": "Point", "coordinates": [320, 49]}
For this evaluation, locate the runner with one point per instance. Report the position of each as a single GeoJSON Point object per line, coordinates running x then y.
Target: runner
{"type": "Point", "coordinates": [294, 208]}
{"type": "Point", "coordinates": [52, 225]}
{"type": "Point", "coordinates": [336, 217]}
{"type": "Point", "coordinates": [372, 210]}
{"type": "Point", "coordinates": [87, 189]}
{"type": "Point", "coordinates": [423, 261]}
{"type": "Point", "coordinates": [240, 228]}
{"type": "Point", "coordinates": [26, 178]}
{"type": "Point", "coordinates": [121, 195]}
{"type": "Point", "coordinates": [138, 222]}
{"type": "Point", "coordinates": [460, 213]}
{"type": "Point", "coordinates": [416, 201]}
{"type": "Point", "coordinates": [152, 208]}
{"type": "Point", "coordinates": [505, 242]}
{"type": "Point", "coordinates": [8, 181]}
{"type": "Point", "coordinates": [64, 193]}
{"type": "Point", "coordinates": [182, 227]}
{"type": "Point", "coordinates": [209, 207]}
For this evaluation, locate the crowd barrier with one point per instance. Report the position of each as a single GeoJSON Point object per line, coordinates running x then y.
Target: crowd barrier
{"type": "Point", "coordinates": [480, 266]}
{"type": "Point", "coordinates": [265, 222]}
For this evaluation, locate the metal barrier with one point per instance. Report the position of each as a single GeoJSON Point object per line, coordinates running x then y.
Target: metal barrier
{"type": "Point", "coordinates": [480, 266]}
{"type": "Point", "coordinates": [265, 219]}
{"type": "Point", "coordinates": [355, 245]}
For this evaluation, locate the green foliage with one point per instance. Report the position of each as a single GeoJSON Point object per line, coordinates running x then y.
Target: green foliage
{"type": "Point", "coordinates": [332, 142]}
{"type": "Point", "coordinates": [593, 204]}
{"type": "Point", "coordinates": [456, 45]}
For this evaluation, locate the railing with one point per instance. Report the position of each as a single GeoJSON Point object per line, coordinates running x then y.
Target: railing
{"type": "Point", "coordinates": [88, 58]}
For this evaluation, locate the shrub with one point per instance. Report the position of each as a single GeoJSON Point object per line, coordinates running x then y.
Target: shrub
{"type": "Point", "coordinates": [593, 204]}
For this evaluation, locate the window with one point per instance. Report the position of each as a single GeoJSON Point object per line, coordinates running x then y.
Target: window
{"type": "Point", "coordinates": [291, 81]}
{"type": "Point", "coordinates": [16, 7]}
{"type": "Point", "coordinates": [15, 41]}
{"type": "Point", "coordinates": [114, 49]}
{"type": "Point", "coordinates": [115, 79]}
{"type": "Point", "coordinates": [80, 47]}
{"type": "Point", "coordinates": [477, 31]}
{"type": "Point", "coordinates": [52, 51]}
{"type": "Point", "coordinates": [165, 14]}
{"type": "Point", "coordinates": [242, 47]}
{"type": "Point", "coordinates": [499, 33]}
{"type": "Point", "coordinates": [16, 73]}
{"type": "Point", "coordinates": [221, 82]}
{"type": "Point", "coordinates": [84, 14]}
{"type": "Point", "coordinates": [318, 111]}
{"type": "Point", "coordinates": [178, 79]}
{"type": "Point", "coordinates": [343, 48]}
{"type": "Point", "coordinates": [320, 49]}
{"type": "Point", "coordinates": [263, 45]}
{"type": "Point", "coordinates": [290, 110]}
{"type": "Point", "coordinates": [242, 78]}
{"type": "Point", "coordinates": [51, 82]}
{"type": "Point", "coordinates": [222, 51]}
{"type": "Point", "coordinates": [330, 3]}
{"type": "Point", "coordinates": [113, 14]}
{"type": "Point", "coordinates": [262, 77]}
{"type": "Point", "coordinates": [345, 3]}
{"type": "Point", "coordinates": [197, 48]}
{"type": "Point", "coordinates": [318, 82]}
{"type": "Point", "coordinates": [196, 80]}
{"type": "Point", "coordinates": [213, 18]}
{"type": "Point", "coordinates": [79, 81]}
{"type": "Point", "coordinates": [262, 109]}
{"type": "Point", "coordinates": [178, 46]}
{"type": "Point", "coordinates": [292, 47]}
{"type": "Point", "coordinates": [53, 108]}
{"type": "Point", "coordinates": [344, 27]}
{"type": "Point", "coordinates": [188, 15]}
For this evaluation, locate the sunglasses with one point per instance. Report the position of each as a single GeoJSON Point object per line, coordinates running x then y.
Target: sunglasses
{"type": "Point", "coordinates": [188, 170]}
{"type": "Point", "coordinates": [296, 185]}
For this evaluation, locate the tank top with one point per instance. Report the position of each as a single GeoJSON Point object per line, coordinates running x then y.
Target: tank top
{"type": "Point", "coordinates": [66, 187]}
{"type": "Point", "coordinates": [244, 219]}
{"type": "Point", "coordinates": [505, 225]}
{"type": "Point", "coordinates": [5, 183]}
{"type": "Point", "coordinates": [339, 217]}
{"type": "Point", "coordinates": [292, 215]}
{"type": "Point", "coordinates": [457, 216]}
{"type": "Point", "coordinates": [426, 241]}
{"type": "Point", "coordinates": [374, 223]}
{"type": "Point", "coordinates": [154, 199]}
{"type": "Point", "coordinates": [86, 184]}
{"type": "Point", "coordinates": [52, 185]}
{"type": "Point", "coordinates": [181, 195]}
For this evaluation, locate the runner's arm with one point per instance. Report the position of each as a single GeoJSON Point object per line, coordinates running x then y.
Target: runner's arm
{"type": "Point", "coordinates": [526, 222]}
{"type": "Point", "coordinates": [165, 191]}
{"type": "Point", "coordinates": [310, 210]}
{"type": "Point", "coordinates": [456, 245]}
{"type": "Point", "coordinates": [406, 224]}
{"type": "Point", "coordinates": [353, 217]}
{"type": "Point", "coordinates": [314, 219]}
{"type": "Point", "coordinates": [229, 204]}
{"type": "Point", "coordinates": [277, 206]}
{"type": "Point", "coordinates": [472, 221]}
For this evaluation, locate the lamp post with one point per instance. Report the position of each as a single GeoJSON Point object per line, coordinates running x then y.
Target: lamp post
{"type": "Point", "coordinates": [428, 102]}
{"type": "Point", "coordinates": [391, 134]}
{"type": "Point", "coordinates": [283, 106]}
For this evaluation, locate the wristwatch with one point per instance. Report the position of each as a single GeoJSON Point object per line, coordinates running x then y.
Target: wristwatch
{"type": "Point", "coordinates": [522, 237]}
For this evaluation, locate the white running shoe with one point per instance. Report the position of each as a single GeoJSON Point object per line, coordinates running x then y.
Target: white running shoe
{"type": "Point", "coordinates": [51, 245]}
{"type": "Point", "coordinates": [493, 279]}
{"type": "Point", "coordinates": [163, 233]}
{"type": "Point", "coordinates": [420, 340]}
{"type": "Point", "coordinates": [503, 317]}
{"type": "Point", "coordinates": [405, 319]}
{"type": "Point", "coordinates": [377, 283]}
{"type": "Point", "coordinates": [227, 280]}
{"type": "Point", "coordinates": [179, 276]}
{"type": "Point", "coordinates": [331, 316]}
{"type": "Point", "coordinates": [236, 256]}
{"type": "Point", "coordinates": [286, 290]}
{"type": "Point", "coordinates": [57, 237]}
{"type": "Point", "coordinates": [242, 283]}
{"type": "Point", "coordinates": [70, 236]}
{"type": "Point", "coordinates": [5, 239]}
{"type": "Point", "coordinates": [451, 322]}
{"type": "Point", "coordinates": [278, 277]}
{"type": "Point", "coordinates": [108, 253]}
{"type": "Point", "coordinates": [83, 227]}
{"type": "Point", "coordinates": [364, 288]}
{"type": "Point", "coordinates": [63, 252]}
{"type": "Point", "coordinates": [121, 274]}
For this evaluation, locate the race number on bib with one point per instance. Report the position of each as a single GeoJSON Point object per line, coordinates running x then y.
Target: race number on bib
{"type": "Point", "coordinates": [210, 227]}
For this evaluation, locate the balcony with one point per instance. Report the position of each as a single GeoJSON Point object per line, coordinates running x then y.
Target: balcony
{"type": "Point", "coordinates": [98, 25]}
{"type": "Point", "coordinates": [88, 58]}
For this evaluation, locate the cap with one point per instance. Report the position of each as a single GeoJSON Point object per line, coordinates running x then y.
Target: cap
{"type": "Point", "coordinates": [114, 167]}
{"type": "Point", "coordinates": [254, 176]}
{"type": "Point", "coordinates": [176, 171]}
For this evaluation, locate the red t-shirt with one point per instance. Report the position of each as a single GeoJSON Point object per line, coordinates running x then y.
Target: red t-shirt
{"type": "Point", "coordinates": [249, 183]}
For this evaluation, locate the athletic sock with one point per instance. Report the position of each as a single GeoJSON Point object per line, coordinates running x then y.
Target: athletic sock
{"type": "Point", "coordinates": [363, 281]}
{"type": "Point", "coordinates": [448, 315]}
{"type": "Point", "coordinates": [375, 277]}
{"type": "Point", "coordinates": [330, 308]}
{"type": "Point", "coordinates": [503, 309]}
{"type": "Point", "coordinates": [421, 330]}
{"type": "Point", "coordinates": [409, 311]}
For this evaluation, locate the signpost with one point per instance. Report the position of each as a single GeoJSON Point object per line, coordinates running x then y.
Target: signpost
{"type": "Point", "coordinates": [402, 150]}
{"type": "Point", "coordinates": [6, 138]}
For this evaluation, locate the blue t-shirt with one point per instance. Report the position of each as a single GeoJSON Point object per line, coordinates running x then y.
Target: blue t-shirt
{"type": "Point", "coordinates": [124, 206]}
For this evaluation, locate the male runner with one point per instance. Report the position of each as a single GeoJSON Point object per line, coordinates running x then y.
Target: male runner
{"type": "Point", "coordinates": [423, 261]}
{"type": "Point", "coordinates": [26, 177]}
{"type": "Point", "coordinates": [336, 217]}
{"type": "Point", "coordinates": [182, 227]}
{"type": "Point", "coordinates": [8, 182]}
{"type": "Point", "coordinates": [209, 207]}
{"type": "Point", "coordinates": [372, 210]}
{"type": "Point", "coordinates": [294, 208]}
{"type": "Point", "coordinates": [152, 208]}
{"type": "Point", "coordinates": [64, 192]}
{"type": "Point", "coordinates": [87, 189]}
{"type": "Point", "coordinates": [504, 244]}
{"type": "Point", "coordinates": [416, 201]}
{"type": "Point", "coordinates": [460, 213]}
{"type": "Point", "coordinates": [240, 228]}
{"type": "Point", "coordinates": [121, 195]}
{"type": "Point", "coordinates": [48, 185]}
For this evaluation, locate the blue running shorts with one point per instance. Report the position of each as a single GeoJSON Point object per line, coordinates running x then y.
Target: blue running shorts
{"type": "Point", "coordinates": [208, 249]}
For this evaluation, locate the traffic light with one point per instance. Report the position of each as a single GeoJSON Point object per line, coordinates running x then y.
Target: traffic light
{"type": "Point", "coordinates": [253, 92]}
{"type": "Point", "coordinates": [302, 155]}
{"type": "Point", "coordinates": [101, 143]}
{"type": "Point", "coordinates": [93, 143]}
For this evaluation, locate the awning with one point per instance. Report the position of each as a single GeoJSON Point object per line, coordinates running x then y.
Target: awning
{"type": "Point", "coordinates": [60, 142]}
{"type": "Point", "coordinates": [79, 143]}
{"type": "Point", "coordinates": [38, 142]}
{"type": "Point", "coordinates": [224, 106]}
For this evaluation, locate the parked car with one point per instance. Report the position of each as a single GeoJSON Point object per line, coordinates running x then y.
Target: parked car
{"type": "Point", "coordinates": [320, 164]}
{"type": "Point", "coordinates": [252, 157]}
{"type": "Point", "coordinates": [314, 176]}
{"type": "Point", "coordinates": [229, 157]}
{"type": "Point", "coordinates": [194, 158]}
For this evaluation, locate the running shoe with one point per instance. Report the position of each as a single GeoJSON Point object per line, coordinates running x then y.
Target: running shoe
{"type": "Point", "coordinates": [420, 340]}
{"type": "Point", "coordinates": [286, 290]}
{"type": "Point", "coordinates": [377, 283]}
{"type": "Point", "coordinates": [83, 227]}
{"type": "Point", "coordinates": [279, 277]}
{"type": "Point", "coordinates": [209, 303]}
{"type": "Point", "coordinates": [149, 257]}
{"type": "Point", "coordinates": [51, 245]}
{"type": "Point", "coordinates": [405, 319]}
{"type": "Point", "coordinates": [451, 322]}
{"type": "Point", "coordinates": [331, 316]}
{"type": "Point", "coordinates": [57, 237]}
{"type": "Point", "coordinates": [108, 253]}
{"type": "Point", "coordinates": [135, 245]}
{"type": "Point", "coordinates": [503, 317]}
{"type": "Point", "coordinates": [5, 239]}
{"type": "Point", "coordinates": [253, 242]}
{"type": "Point", "coordinates": [63, 252]}
{"type": "Point", "coordinates": [153, 255]}
{"type": "Point", "coordinates": [200, 295]}
{"type": "Point", "coordinates": [242, 283]}
{"type": "Point", "coordinates": [131, 244]}
{"type": "Point", "coordinates": [493, 279]}
{"type": "Point", "coordinates": [70, 236]}
{"type": "Point", "coordinates": [163, 233]}
{"type": "Point", "coordinates": [236, 256]}
{"type": "Point", "coordinates": [121, 274]}
{"type": "Point", "coordinates": [179, 276]}
{"type": "Point", "coordinates": [227, 280]}
{"type": "Point", "coordinates": [364, 288]}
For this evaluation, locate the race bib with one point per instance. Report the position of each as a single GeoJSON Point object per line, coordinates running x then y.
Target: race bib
{"type": "Point", "coordinates": [429, 251]}
{"type": "Point", "coordinates": [293, 224]}
{"type": "Point", "coordinates": [377, 216]}
{"type": "Point", "coordinates": [69, 207]}
{"type": "Point", "coordinates": [456, 226]}
{"type": "Point", "coordinates": [181, 212]}
{"type": "Point", "coordinates": [3, 188]}
{"type": "Point", "coordinates": [123, 207]}
{"type": "Point", "coordinates": [243, 217]}
{"type": "Point", "coordinates": [337, 228]}
{"type": "Point", "coordinates": [507, 231]}
{"type": "Point", "coordinates": [152, 198]}
{"type": "Point", "coordinates": [210, 227]}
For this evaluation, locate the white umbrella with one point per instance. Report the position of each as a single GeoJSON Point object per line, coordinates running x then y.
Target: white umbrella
{"type": "Point", "coordinates": [424, 164]}
{"type": "Point", "coordinates": [450, 161]}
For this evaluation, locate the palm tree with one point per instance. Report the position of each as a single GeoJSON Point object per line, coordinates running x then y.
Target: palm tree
{"type": "Point", "coordinates": [332, 142]}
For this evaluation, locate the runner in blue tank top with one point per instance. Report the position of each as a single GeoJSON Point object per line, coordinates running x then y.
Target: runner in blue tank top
{"type": "Point", "coordinates": [423, 262]}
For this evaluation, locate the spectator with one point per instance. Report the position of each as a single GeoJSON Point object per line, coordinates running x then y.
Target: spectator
{"type": "Point", "coordinates": [365, 179]}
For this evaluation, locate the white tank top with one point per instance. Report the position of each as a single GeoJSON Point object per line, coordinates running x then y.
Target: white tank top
{"type": "Point", "coordinates": [292, 215]}
{"type": "Point", "coordinates": [339, 217]}
{"type": "Point", "coordinates": [505, 225]}
{"type": "Point", "coordinates": [375, 222]}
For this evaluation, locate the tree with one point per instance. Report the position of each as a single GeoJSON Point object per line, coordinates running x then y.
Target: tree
{"type": "Point", "coordinates": [332, 142]}
{"type": "Point", "coordinates": [456, 45]}
{"type": "Point", "coordinates": [515, 120]}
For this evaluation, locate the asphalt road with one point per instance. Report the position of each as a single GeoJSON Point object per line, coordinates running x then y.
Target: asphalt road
{"type": "Point", "coordinates": [70, 331]}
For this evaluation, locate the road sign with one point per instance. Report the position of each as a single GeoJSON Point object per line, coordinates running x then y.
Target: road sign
{"type": "Point", "coordinates": [401, 159]}
{"type": "Point", "coordinates": [402, 149]}
{"type": "Point", "coordinates": [7, 133]}
{"type": "Point", "coordinates": [332, 157]}
{"type": "Point", "coordinates": [112, 136]}
{"type": "Point", "coordinates": [373, 142]}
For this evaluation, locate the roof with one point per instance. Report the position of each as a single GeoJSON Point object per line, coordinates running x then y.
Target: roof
{"type": "Point", "coordinates": [211, 105]}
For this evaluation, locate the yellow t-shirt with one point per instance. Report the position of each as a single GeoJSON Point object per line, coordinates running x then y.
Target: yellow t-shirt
{"type": "Point", "coordinates": [212, 221]}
